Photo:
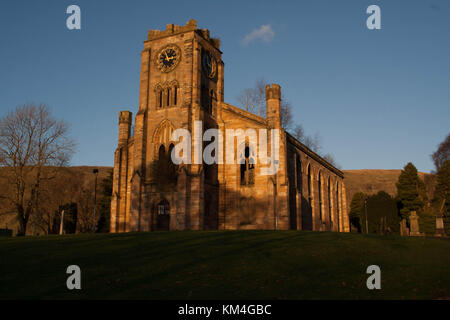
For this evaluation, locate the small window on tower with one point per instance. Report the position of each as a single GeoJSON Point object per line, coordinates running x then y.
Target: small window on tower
{"type": "Point", "coordinates": [160, 99]}
{"type": "Point", "coordinates": [168, 97]}
{"type": "Point", "coordinates": [175, 97]}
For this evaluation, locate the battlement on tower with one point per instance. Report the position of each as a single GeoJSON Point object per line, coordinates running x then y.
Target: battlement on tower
{"type": "Point", "coordinates": [273, 91]}
{"type": "Point", "coordinates": [125, 117]}
{"type": "Point", "coordinates": [173, 29]}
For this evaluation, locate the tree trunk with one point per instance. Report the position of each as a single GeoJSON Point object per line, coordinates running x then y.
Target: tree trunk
{"type": "Point", "coordinates": [22, 222]}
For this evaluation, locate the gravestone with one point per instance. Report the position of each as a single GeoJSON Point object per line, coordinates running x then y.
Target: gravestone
{"type": "Point", "coordinates": [404, 231]}
{"type": "Point", "coordinates": [440, 231]}
{"type": "Point", "coordinates": [414, 225]}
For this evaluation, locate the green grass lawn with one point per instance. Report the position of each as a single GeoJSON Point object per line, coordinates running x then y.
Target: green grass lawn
{"type": "Point", "coordinates": [225, 265]}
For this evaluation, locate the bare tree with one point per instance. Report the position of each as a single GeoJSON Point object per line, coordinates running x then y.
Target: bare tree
{"type": "Point", "coordinates": [286, 115]}
{"type": "Point", "coordinates": [330, 159]}
{"type": "Point", "coordinates": [298, 132]}
{"type": "Point", "coordinates": [313, 142]}
{"type": "Point", "coordinates": [253, 99]}
{"type": "Point", "coordinates": [317, 143]}
{"type": "Point", "coordinates": [260, 96]}
{"type": "Point", "coordinates": [85, 207]}
{"type": "Point", "coordinates": [30, 139]}
{"type": "Point", "coordinates": [247, 100]}
{"type": "Point", "coordinates": [62, 189]}
{"type": "Point", "coordinates": [442, 153]}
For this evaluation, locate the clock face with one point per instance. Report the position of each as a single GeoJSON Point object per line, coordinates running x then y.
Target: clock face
{"type": "Point", "coordinates": [209, 64]}
{"type": "Point", "coordinates": [168, 58]}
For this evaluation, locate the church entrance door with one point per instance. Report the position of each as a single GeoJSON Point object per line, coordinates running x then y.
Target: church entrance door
{"type": "Point", "coordinates": [163, 216]}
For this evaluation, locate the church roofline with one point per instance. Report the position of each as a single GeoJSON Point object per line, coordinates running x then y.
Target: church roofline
{"type": "Point", "coordinates": [313, 155]}
{"type": "Point", "coordinates": [293, 140]}
{"type": "Point", "coordinates": [247, 114]}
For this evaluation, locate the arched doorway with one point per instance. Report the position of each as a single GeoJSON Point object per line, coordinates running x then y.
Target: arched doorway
{"type": "Point", "coordinates": [163, 216]}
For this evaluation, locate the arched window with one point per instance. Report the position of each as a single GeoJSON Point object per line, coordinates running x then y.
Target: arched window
{"type": "Point", "coordinates": [162, 152]}
{"type": "Point", "coordinates": [165, 170]}
{"type": "Point", "coordinates": [248, 169]}
{"type": "Point", "coordinates": [175, 95]}
{"type": "Point", "coordinates": [159, 97]}
{"type": "Point", "coordinates": [320, 197]}
{"type": "Point", "coordinates": [329, 200]}
{"type": "Point", "coordinates": [299, 173]}
{"type": "Point", "coordinates": [309, 182]}
{"type": "Point", "coordinates": [168, 98]}
{"type": "Point", "coordinates": [337, 204]}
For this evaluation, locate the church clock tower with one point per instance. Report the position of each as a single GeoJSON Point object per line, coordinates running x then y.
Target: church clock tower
{"type": "Point", "coordinates": [181, 81]}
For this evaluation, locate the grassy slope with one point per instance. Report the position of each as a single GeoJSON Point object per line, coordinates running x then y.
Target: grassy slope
{"type": "Point", "coordinates": [228, 265]}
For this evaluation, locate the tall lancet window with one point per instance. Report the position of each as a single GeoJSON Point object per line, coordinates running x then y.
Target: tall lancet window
{"type": "Point", "coordinates": [168, 97]}
{"type": "Point", "coordinates": [320, 196]}
{"type": "Point", "coordinates": [161, 153]}
{"type": "Point", "coordinates": [159, 97]}
{"type": "Point", "coordinates": [309, 184]}
{"type": "Point", "coordinates": [329, 201]}
{"type": "Point", "coordinates": [248, 168]}
{"type": "Point", "coordinates": [175, 95]}
{"type": "Point", "coordinates": [299, 173]}
{"type": "Point", "coordinates": [337, 204]}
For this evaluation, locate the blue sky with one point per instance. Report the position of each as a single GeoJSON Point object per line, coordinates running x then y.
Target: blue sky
{"type": "Point", "coordinates": [378, 98]}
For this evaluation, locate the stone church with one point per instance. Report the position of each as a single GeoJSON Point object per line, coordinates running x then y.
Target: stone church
{"type": "Point", "coordinates": [182, 81]}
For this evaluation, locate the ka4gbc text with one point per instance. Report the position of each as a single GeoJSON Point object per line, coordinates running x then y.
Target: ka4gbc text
{"type": "Point", "coordinates": [226, 309]}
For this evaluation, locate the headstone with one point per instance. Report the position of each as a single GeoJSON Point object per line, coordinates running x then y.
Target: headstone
{"type": "Point", "coordinates": [414, 224]}
{"type": "Point", "coordinates": [440, 231]}
{"type": "Point", "coordinates": [404, 231]}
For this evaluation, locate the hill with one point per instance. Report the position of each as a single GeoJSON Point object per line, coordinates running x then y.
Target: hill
{"type": "Point", "coordinates": [225, 265]}
{"type": "Point", "coordinates": [370, 181]}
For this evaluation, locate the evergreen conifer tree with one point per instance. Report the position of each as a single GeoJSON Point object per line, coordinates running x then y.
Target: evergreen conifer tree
{"type": "Point", "coordinates": [409, 191]}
